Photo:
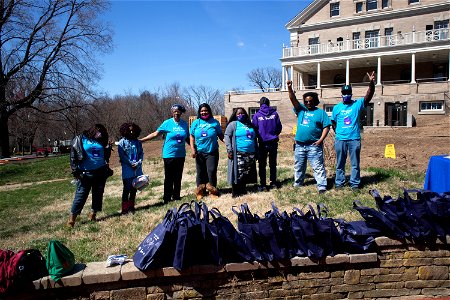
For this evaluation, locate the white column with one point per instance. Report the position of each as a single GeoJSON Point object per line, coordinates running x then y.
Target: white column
{"type": "Point", "coordinates": [300, 84]}
{"type": "Point", "coordinates": [318, 75]}
{"type": "Point", "coordinates": [291, 76]}
{"type": "Point", "coordinates": [283, 78]}
{"type": "Point", "coordinates": [449, 65]}
{"type": "Point", "coordinates": [379, 71]}
{"type": "Point", "coordinates": [413, 68]}
{"type": "Point", "coordinates": [347, 72]}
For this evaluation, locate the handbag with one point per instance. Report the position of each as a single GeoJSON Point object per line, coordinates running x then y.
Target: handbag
{"type": "Point", "coordinates": [255, 240]}
{"type": "Point", "coordinates": [158, 248]}
{"type": "Point", "coordinates": [284, 247]}
{"type": "Point", "coordinates": [379, 220]}
{"type": "Point", "coordinates": [60, 260]}
{"type": "Point", "coordinates": [439, 210]}
{"type": "Point", "coordinates": [196, 242]}
{"type": "Point", "coordinates": [230, 243]}
{"type": "Point", "coordinates": [327, 232]}
{"type": "Point", "coordinates": [357, 236]}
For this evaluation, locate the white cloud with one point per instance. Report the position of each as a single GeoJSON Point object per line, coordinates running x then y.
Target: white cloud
{"type": "Point", "coordinates": [240, 44]}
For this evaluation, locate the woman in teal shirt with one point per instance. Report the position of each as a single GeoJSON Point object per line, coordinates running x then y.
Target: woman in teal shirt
{"type": "Point", "coordinates": [240, 140]}
{"type": "Point", "coordinates": [173, 152]}
{"type": "Point", "coordinates": [205, 131]}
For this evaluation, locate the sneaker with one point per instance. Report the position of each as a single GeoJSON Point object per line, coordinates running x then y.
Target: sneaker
{"type": "Point", "coordinates": [355, 188]}
{"type": "Point", "coordinates": [338, 187]}
{"type": "Point", "coordinates": [322, 191]}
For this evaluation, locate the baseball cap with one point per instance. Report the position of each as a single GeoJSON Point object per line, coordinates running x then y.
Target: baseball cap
{"type": "Point", "coordinates": [346, 90]}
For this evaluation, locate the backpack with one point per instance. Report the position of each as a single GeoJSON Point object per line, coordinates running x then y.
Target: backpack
{"type": "Point", "coordinates": [18, 269]}
{"type": "Point", "coordinates": [60, 260]}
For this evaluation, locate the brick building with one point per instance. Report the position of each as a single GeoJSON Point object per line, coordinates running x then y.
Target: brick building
{"type": "Point", "coordinates": [332, 42]}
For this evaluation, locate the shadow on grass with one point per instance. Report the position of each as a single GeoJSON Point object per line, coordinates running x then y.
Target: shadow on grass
{"type": "Point", "coordinates": [118, 214]}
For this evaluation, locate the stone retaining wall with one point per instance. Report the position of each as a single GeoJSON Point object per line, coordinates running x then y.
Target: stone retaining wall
{"type": "Point", "coordinates": [398, 271]}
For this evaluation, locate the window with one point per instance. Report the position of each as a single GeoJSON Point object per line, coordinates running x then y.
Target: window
{"type": "Point", "coordinates": [413, 1]}
{"type": "Point", "coordinates": [385, 4]}
{"type": "Point", "coordinates": [389, 39]}
{"type": "Point", "coordinates": [441, 28]}
{"type": "Point", "coordinates": [372, 38]}
{"type": "Point", "coordinates": [328, 108]}
{"type": "Point", "coordinates": [371, 5]}
{"type": "Point", "coordinates": [357, 40]}
{"type": "Point", "coordinates": [359, 7]}
{"type": "Point", "coordinates": [432, 106]}
{"type": "Point", "coordinates": [252, 111]}
{"type": "Point", "coordinates": [313, 45]}
{"type": "Point", "coordinates": [334, 9]}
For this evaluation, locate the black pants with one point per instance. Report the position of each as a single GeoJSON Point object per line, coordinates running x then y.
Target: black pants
{"type": "Point", "coordinates": [268, 149]}
{"type": "Point", "coordinates": [206, 165]}
{"type": "Point", "coordinates": [173, 171]}
{"type": "Point", "coordinates": [128, 192]}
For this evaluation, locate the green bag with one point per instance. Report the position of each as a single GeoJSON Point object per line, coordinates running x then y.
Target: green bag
{"type": "Point", "coordinates": [60, 260]}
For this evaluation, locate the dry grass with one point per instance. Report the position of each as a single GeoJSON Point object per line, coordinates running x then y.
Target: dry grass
{"type": "Point", "coordinates": [115, 234]}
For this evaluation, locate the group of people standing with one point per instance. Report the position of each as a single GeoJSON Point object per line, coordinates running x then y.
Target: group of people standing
{"type": "Point", "coordinates": [313, 126]}
{"type": "Point", "coordinates": [246, 139]}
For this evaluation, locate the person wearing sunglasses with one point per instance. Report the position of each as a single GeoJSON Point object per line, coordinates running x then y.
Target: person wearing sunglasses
{"type": "Point", "coordinates": [313, 125]}
{"type": "Point", "coordinates": [176, 134]}
{"type": "Point", "coordinates": [345, 121]}
{"type": "Point", "coordinates": [242, 149]}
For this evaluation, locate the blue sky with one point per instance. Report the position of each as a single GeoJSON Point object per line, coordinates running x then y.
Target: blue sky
{"type": "Point", "coordinates": [210, 43]}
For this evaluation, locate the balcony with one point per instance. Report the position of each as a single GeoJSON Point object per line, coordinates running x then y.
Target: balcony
{"type": "Point", "coordinates": [379, 42]}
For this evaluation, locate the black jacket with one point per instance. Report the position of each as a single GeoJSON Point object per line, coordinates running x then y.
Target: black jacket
{"type": "Point", "coordinates": [77, 153]}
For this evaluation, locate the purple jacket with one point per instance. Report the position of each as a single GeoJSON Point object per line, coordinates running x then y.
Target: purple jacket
{"type": "Point", "coordinates": [267, 123]}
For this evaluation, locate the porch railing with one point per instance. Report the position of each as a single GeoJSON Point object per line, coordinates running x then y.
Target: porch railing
{"type": "Point", "coordinates": [387, 41]}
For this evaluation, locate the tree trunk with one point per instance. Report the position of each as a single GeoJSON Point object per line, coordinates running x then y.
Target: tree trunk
{"type": "Point", "coordinates": [4, 135]}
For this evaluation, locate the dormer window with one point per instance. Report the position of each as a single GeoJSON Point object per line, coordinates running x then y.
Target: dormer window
{"type": "Point", "coordinates": [334, 9]}
{"type": "Point", "coordinates": [371, 5]}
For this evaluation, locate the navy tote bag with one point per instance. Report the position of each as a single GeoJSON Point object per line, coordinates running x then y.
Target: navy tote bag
{"type": "Point", "coordinates": [158, 247]}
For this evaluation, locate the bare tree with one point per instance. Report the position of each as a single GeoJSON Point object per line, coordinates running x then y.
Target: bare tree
{"type": "Point", "coordinates": [196, 95]}
{"type": "Point", "coordinates": [265, 78]}
{"type": "Point", "coordinates": [47, 48]}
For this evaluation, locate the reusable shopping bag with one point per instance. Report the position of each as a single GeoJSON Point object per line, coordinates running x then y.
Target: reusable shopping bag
{"type": "Point", "coordinates": [357, 236]}
{"type": "Point", "coordinates": [230, 243]}
{"type": "Point", "coordinates": [158, 248]}
{"type": "Point", "coordinates": [258, 236]}
{"type": "Point", "coordinates": [196, 239]}
{"type": "Point", "coordinates": [60, 260]}
{"type": "Point", "coordinates": [379, 220]}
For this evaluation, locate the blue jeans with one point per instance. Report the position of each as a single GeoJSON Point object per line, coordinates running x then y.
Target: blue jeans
{"type": "Point", "coordinates": [96, 181]}
{"type": "Point", "coordinates": [314, 154]}
{"type": "Point", "coordinates": [353, 147]}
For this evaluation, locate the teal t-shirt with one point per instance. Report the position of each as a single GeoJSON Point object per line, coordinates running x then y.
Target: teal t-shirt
{"type": "Point", "coordinates": [95, 155]}
{"type": "Point", "coordinates": [245, 138]}
{"type": "Point", "coordinates": [346, 117]}
{"type": "Point", "coordinates": [310, 124]}
{"type": "Point", "coordinates": [205, 133]}
{"type": "Point", "coordinates": [176, 133]}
